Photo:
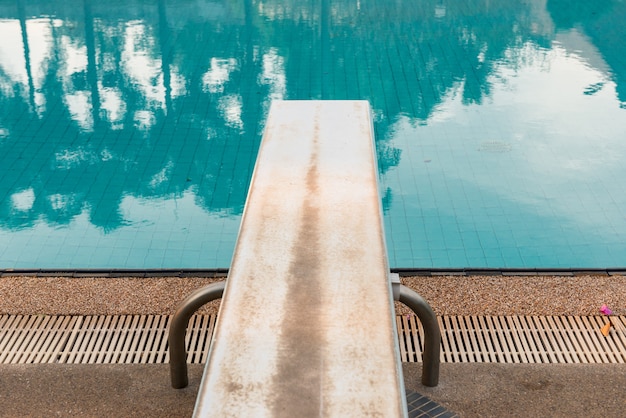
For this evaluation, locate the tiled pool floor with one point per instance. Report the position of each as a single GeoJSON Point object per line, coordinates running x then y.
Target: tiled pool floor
{"type": "Point", "coordinates": [129, 131]}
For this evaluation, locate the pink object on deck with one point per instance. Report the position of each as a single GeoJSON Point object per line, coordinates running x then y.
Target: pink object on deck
{"type": "Point", "coordinates": [605, 310]}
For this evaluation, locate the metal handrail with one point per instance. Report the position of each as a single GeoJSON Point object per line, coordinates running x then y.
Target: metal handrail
{"type": "Point", "coordinates": [432, 334]}
{"type": "Point", "coordinates": [178, 328]}
{"type": "Point", "coordinates": [204, 295]}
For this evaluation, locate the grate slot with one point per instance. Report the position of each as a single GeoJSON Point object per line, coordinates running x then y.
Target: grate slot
{"type": "Point", "coordinates": [479, 323]}
{"type": "Point", "coordinates": [416, 337]}
{"type": "Point", "coordinates": [105, 340]}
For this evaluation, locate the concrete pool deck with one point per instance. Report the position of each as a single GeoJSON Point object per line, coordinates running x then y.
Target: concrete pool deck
{"type": "Point", "coordinates": [469, 389]}
{"type": "Point", "coordinates": [448, 295]}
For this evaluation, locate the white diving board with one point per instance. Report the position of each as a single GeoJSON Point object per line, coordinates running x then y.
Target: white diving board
{"type": "Point", "coordinates": [306, 324]}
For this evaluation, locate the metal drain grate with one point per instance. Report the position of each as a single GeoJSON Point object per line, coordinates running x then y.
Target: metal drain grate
{"type": "Point", "coordinates": [519, 339]}
{"type": "Point", "coordinates": [97, 339]}
{"type": "Point", "coordinates": [143, 339]}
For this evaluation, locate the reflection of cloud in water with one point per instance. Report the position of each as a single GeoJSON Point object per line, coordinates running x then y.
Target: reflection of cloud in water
{"type": "Point", "coordinates": [23, 201]}
{"type": "Point", "coordinates": [144, 119]}
{"type": "Point", "coordinates": [140, 63]}
{"type": "Point", "coordinates": [218, 74]}
{"type": "Point", "coordinates": [548, 111]}
{"type": "Point", "coordinates": [114, 107]}
{"type": "Point", "coordinates": [539, 140]}
{"type": "Point", "coordinates": [11, 56]}
{"type": "Point", "coordinates": [230, 107]}
{"type": "Point", "coordinates": [274, 74]}
{"type": "Point", "coordinates": [162, 176]}
{"type": "Point", "coordinates": [59, 202]}
{"type": "Point", "coordinates": [69, 159]}
{"type": "Point", "coordinates": [79, 105]}
{"type": "Point", "coordinates": [144, 221]}
{"type": "Point", "coordinates": [12, 59]}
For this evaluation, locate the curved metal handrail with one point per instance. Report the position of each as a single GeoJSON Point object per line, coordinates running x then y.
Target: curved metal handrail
{"type": "Point", "coordinates": [178, 328]}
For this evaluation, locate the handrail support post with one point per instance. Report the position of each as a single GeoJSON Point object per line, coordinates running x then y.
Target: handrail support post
{"type": "Point", "coordinates": [432, 333]}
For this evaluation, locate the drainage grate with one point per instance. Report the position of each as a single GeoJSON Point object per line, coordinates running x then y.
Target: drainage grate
{"type": "Point", "coordinates": [143, 339]}
{"type": "Point", "coordinates": [518, 339]}
{"type": "Point", "coordinates": [97, 339]}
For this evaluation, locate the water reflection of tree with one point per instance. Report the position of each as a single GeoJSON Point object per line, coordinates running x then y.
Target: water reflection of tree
{"type": "Point", "coordinates": [70, 168]}
{"type": "Point", "coordinates": [330, 50]}
{"type": "Point", "coordinates": [604, 23]}
{"type": "Point", "coordinates": [404, 57]}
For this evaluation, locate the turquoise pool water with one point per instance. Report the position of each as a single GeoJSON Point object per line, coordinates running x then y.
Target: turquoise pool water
{"type": "Point", "coordinates": [129, 130]}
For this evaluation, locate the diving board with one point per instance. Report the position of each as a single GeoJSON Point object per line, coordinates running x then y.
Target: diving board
{"type": "Point", "coordinates": [306, 325]}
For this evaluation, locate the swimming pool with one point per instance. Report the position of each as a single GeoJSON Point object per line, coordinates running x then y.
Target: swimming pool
{"type": "Point", "coordinates": [128, 131]}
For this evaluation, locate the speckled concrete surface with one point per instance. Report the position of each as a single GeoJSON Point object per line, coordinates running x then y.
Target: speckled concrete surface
{"type": "Point", "coordinates": [521, 295]}
{"type": "Point", "coordinates": [448, 295]}
{"type": "Point", "coordinates": [526, 390]}
{"type": "Point", "coordinates": [95, 390]}
{"type": "Point", "coordinates": [471, 390]}
{"type": "Point", "coordinates": [98, 296]}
